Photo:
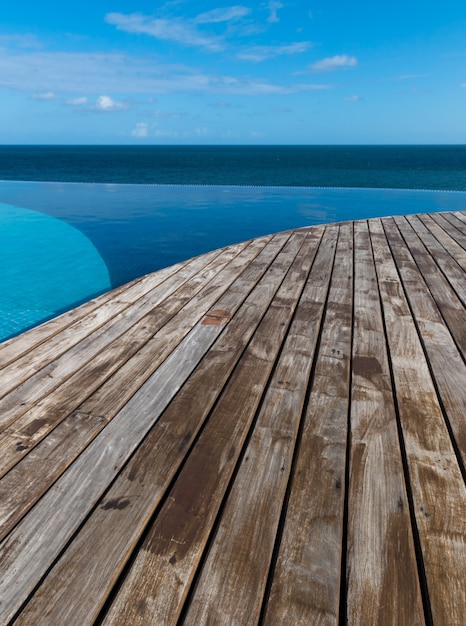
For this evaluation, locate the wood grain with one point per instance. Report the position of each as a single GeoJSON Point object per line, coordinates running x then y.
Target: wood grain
{"type": "Point", "coordinates": [382, 579]}
{"type": "Point", "coordinates": [306, 578]}
{"type": "Point", "coordinates": [439, 493]}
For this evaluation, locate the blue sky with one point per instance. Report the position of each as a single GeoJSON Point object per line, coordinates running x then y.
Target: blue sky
{"type": "Point", "coordinates": [207, 72]}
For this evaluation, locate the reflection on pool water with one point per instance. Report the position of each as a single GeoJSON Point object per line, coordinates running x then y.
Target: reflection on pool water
{"type": "Point", "coordinates": [63, 243]}
{"type": "Point", "coordinates": [46, 266]}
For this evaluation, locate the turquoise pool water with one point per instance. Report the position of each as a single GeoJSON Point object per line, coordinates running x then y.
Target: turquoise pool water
{"type": "Point", "coordinates": [63, 243]}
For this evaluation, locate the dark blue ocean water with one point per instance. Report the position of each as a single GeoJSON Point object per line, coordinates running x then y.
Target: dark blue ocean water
{"type": "Point", "coordinates": [406, 167]}
{"type": "Point", "coordinates": [117, 213]}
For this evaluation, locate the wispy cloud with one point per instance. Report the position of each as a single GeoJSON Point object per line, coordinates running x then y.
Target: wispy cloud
{"type": "Point", "coordinates": [334, 63]}
{"type": "Point", "coordinates": [353, 99]}
{"type": "Point", "coordinates": [262, 53]}
{"type": "Point", "coordinates": [141, 130]}
{"type": "Point", "coordinates": [274, 5]}
{"type": "Point", "coordinates": [75, 73]}
{"type": "Point", "coordinates": [179, 30]}
{"type": "Point", "coordinates": [20, 41]}
{"type": "Point", "coordinates": [76, 102]}
{"type": "Point", "coordinates": [47, 95]}
{"type": "Point", "coordinates": [222, 15]}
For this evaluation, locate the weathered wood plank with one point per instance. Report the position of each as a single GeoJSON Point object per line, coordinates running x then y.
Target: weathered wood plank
{"type": "Point", "coordinates": [143, 482]}
{"type": "Point", "coordinates": [461, 216]}
{"type": "Point", "coordinates": [444, 354]}
{"type": "Point", "coordinates": [438, 489]}
{"type": "Point", "coordinates": [439, 284]}
{"type": "Point", "coordinates": [382, 581]}
{"type": "Point", "coordinates": [454, 226]}
{"type": "Point", "coordinates": [306, 579]}
{"type": "Point", "coordinates": [245, 537]}
{"type": "Point", "coordinates": [444, 232]}
{"type": "Point", "coordinates": [442, 258]}
{"type": "Point", "coordinates": [176, 540]}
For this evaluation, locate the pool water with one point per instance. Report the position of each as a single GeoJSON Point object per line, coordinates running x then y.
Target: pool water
{"type": "Point", "coordinates": [64, 243]}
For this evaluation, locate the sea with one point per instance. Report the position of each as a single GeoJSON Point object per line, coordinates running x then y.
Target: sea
{"type": "Point", "coordinates": [76, 221]}
{"type": "Point", "coordinates": [398, 167]}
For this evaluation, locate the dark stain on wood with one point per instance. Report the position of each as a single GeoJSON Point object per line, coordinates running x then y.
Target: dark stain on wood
{"type": "Point", "coordinates": [217, 317]}
{"type": "Point", "coordinates": [118, 503]}
{"type": "Point", "coordinates": [366, 366]}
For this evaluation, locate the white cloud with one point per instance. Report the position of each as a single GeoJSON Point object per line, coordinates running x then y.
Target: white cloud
{"type": "Point", "coordinates": [141, 130]}
{"type": "Point", "coordinates": [222, 15]}
{"type": "Point", "coordinates": [105, 103]}
{"type": "Point", "coordinates": [47, 95]}
{"type": "Point", "coordinates": [75, 73]}
{"type": "Point", "coordinates": [463, 85]}
{"type": "Point", "coordinates": [76, 102]}
{"type": "Point", "coordinates": [353, 99]}
{"type": "Point", "coordinates": [262, 53]}
{"type": "Point", "coordinates": [20, 41]}
{"type": "Point", "coordinates": [178, 30]}
{"type": "Point", "coordinates": [274, 5]}
{"type": "Point", "coordinates": [334, 63]}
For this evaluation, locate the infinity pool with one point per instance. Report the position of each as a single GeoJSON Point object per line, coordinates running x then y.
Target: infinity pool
{"type": "Point", "coordinates": [64, 243]}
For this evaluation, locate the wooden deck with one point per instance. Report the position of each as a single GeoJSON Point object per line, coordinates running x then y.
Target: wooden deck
{"type": "Point", "coordinates": [272, 433]}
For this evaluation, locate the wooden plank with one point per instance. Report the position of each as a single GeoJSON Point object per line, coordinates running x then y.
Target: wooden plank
{"type": "Point", "coordinates": [382, 581]}
{"type": "Point", "coordinates": [453, 272]}
{"type": "Point", "coordinates": [460, 215]}
{"type": "Point", "coordinates": [438, 489]}
{"type": "Point", "coordinates": [143, 482]}
{"type": "Point", "coordinates": [176, 540]}
{"type": "Point", "coordinates": [74, 495]}
{"type": "Point", "coordinates": [446, 355]}
{"type": "Point", "coordinates": [306, 579]}
{"type": "Point", "coordinates": [245, 536]}
{"type": "Point", "coordinates": [454, 226]}
{"type": "Point", "coordinates": [448, 236]}
{"type": "Point", "coordinates": [449, 305]}
{"type": "Point", "coordinates": [33, 476]}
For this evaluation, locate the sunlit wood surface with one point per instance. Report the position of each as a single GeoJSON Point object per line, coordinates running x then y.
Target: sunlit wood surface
{"type": "Point", "coordinates": [272, 433]}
